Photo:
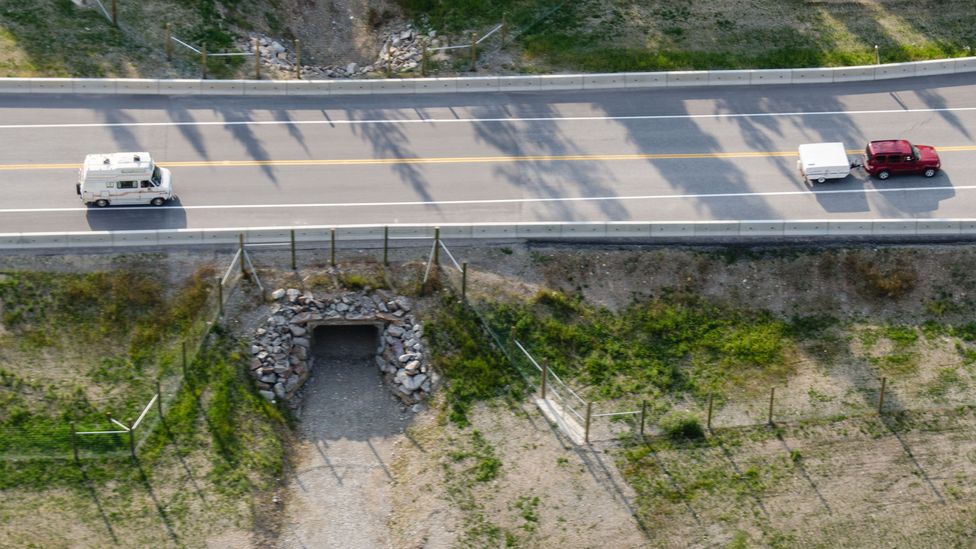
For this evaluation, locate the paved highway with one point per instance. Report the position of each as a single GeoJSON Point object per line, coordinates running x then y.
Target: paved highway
{"type": "Point", "coordinates": [642, 155]}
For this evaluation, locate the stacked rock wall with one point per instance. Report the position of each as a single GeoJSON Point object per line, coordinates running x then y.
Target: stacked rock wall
{"type": "Point", "coordinates": [282, 358]}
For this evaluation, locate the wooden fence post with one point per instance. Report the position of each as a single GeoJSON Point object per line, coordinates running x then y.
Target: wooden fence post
{"type": "Point", "coordinates": [708, 422]}
{"type": "Point", "coordinates": [132, 440]}
{"type": "Point", "coordinates": [504, 27]}
{"type": "Point", "coordinates": [437, 246]}
{"type": "Point", "coordinates": [298, 59]}
{"type": "Point", "coordinates": [423, 58]}
{"type": "Point", "coordinates": [474, 51]}
{"type": "Point", "coordinates": [293, 264]}
{"type": "Point", "coordinates": [464, 280]}
{"type": "Point", "coordinates": [184, 359]}
{"type": "Point", "coordinates": [169, 41]}
{"type": "Point", "coordinates": [772, 395]}
{"type": "Point", "coordinates": [586, 431]}
{"type": "Point", "coordinates": [257, 59]}
{"type": "Point", "coordinates": [74, 441]}
{"type": "Point", "coordinates": [240, 239]}
{"type": "Point", "coordinates": [545, 374]}
{"type": "Point", "coordinates": [115, 13]}
{"type": "Point", "coordinates": [642, 417]}
{"type": "Point", "coordinates": [389, 60]}
{"type": "Point", "coordinates": [203, 60]}
{"type": "Point", "coordinates": [159, 400]}
{"type": "Point", "coordinates": [386, 246]}
{"type": "Point", "coordinates": [884, 382]}
{"type": "Point", "coordinates": [220, 295]}
{"type": "Point", "coordinates": [332, 237]}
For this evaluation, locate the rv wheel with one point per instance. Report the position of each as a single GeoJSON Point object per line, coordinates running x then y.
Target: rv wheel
{"type": "Point", "coordinates": [821, 180]}
{"type": "Point", "coordinates": [158, 201]}
{"type": "Point", "coordinates": [101, 202]}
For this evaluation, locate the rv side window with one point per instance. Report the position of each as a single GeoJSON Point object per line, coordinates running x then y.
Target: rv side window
{"type": "Point", "coordinates": [145, 184]}
{"type": "Point", "coordinates": [128, 184]}
{"type": "Point", "coordinates": [110, 184]}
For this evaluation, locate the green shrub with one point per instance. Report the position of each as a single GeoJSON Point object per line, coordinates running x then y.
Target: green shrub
{"type": "Point", "coordinates": [682, 426]}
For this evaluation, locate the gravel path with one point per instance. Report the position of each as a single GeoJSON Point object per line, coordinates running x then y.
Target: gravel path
{"type": "Point", "coordinates": [339, 485]}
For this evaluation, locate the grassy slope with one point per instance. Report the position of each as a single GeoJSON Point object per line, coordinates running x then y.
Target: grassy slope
{"type": "Point", "coordinates": [594, 35]}
{"type": "Point", "coordinates": [218, 446]}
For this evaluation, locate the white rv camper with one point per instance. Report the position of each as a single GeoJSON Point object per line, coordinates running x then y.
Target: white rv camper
{"type": "Point", "coordinates": [123, 178]}
{"type": "Point", "coordinates": [822, 161]}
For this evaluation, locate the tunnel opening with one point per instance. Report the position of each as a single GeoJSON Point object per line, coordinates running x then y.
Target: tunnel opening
{"type": "Point", "coordinates": [345, 397]}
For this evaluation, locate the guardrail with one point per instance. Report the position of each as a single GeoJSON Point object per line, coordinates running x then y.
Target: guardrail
{"type": "Point", "coordinates": [488, 83]}
{"type": "Point", "coordinates": [661, 230]}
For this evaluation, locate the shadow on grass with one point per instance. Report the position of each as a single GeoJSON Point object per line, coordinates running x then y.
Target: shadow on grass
{"type": "Point", "coordinates": [90, 487]}
{"type": "Point", "coordinates": [159, 507]}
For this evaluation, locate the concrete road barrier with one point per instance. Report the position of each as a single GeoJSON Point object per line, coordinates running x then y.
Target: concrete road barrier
{"type": "Point", "coordinates": [937, 227]}
{"type": "Point", "coordinates": [897, 227]}
{"type": "Point", "coordinates": [308, 87]}
{"type": "Point", "coordinates": [530, 230]}
{"type": "Point", "coordinates": [771, 76]}
{"type": "Point", "coordinates": [352, 87]}
{"type": "Point", "coordinates": [411, 231]}
{"type": "Point", "coordinates": [94, 85]}
{"type": "Point", "coordinates": [519, 83]}
{"type": "Point", "coordinates": [494, 231]}
{"type": "Point", "coordinates": [265, 87]}
{"type": "Point", "coordinates": [672, 229]}
{"type": "Point", "coordinates": [762, 228]}
{"type": "Point", "coordinates": [393, 85]}
{"type": "Point", "coordinates": [687, 78]}
{"type": "Point", "coordinates": [805, 228]}
{"type": "Point", "coordinates": [723, 230]}
{"type": "Point", "coordinates": [857, 227]}
{"type": "Point", "coordinates": [477, 84]}
{"type": "Point", "coordinates": [717, 228]}
{"type": "Point", "coordinates": [603, 81]}
{"type": "Point", "coordinates": [135, 238]}
{"type": "Point", "coordinates": [435, 85]}
{"type": "Point", "coordinates": [894, 70]}
{"type": "Point", "coordinates": [491, 83]}
{"type": "Point", "coordinates": [51, 85]}
{"type": "Point", "coordinates": [853, 74]}
{"type": "Point", "coordinates": [729, 78]}
{"type": "Point", "coordinates": [645, 79]}
{"type": "Point", "coordinates": [812, 76]}
{"type": "Point", "coordinates": [15, 85]}
{"type": "Point", "coordinates": [179, 87]}
{"type": "Point", "coordinates": [941, 66]}
{"type": "Point", "coordinates": [140, 86]}
{"type": "Point", "coordinates": [222, 87]}
{"type": "Point", "coordinates": [562, 82]}
{"type": "Point", "coordinates": [629, 230]}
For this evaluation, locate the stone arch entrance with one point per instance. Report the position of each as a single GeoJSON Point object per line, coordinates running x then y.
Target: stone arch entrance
{"type": "Point", "coordinates": [282, 360]}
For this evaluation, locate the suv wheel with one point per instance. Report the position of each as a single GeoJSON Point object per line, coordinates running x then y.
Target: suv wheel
{"type": "Point", "coordinates": [929, 172]}
{"type": "Point", "coordinates": [883, 174]}
{"type": "Point", "coordinates": [101, 202]}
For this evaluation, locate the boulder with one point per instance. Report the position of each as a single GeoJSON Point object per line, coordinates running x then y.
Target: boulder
{"type": "Point", "coordinates": [267, 394]}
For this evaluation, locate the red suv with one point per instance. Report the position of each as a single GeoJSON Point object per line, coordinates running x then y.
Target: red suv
{"type": "Point", "coordinates": [884, 158]}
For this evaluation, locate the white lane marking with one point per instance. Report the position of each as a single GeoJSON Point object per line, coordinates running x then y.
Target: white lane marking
{"type": "Point", "coordinates": [478, 120]}
{"type": "Point", "coordinates": [705, 196]}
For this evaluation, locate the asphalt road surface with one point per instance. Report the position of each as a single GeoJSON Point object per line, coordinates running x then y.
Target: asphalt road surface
{"type": "Point", "coordinates": [725, 153]}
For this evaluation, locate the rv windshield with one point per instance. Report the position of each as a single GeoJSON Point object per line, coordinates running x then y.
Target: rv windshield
{"type": "Point", "coordinates": [157, 177]}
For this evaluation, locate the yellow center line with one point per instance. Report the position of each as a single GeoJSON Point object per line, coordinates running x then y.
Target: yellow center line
{"type": "Point", "coordinates": [454, 160]}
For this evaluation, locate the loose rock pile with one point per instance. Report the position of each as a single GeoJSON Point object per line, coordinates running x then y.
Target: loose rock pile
{"type": "Point", "coordinates": [282, 360]}
{"type": "Point", "coordinates": [401, 52]}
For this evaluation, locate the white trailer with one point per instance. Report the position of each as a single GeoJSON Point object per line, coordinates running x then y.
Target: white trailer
{"type": "Point", "coordinates": [123, 178]}
{"type": "Point", "coordinates": [822, 161]}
